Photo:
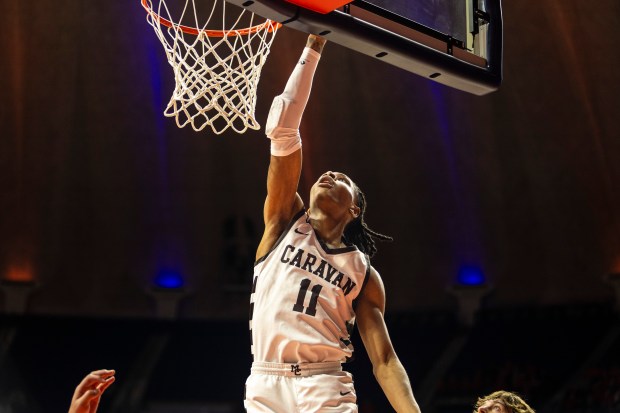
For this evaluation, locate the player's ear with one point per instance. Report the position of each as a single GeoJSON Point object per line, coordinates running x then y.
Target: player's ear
{"type": "Point", "coordinates": [355, 211]}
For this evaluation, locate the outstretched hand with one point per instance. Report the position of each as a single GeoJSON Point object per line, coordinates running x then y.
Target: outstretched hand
{"type": "Point", "coordinates": [88, 393]}
{"type": "Point", "coordinates": [315, 42]}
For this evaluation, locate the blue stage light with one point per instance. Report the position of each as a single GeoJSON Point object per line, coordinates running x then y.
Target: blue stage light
{"type": "Point", "coordinates": [169, 279]}
{"type": "Point", "coordinates": [471, 275]}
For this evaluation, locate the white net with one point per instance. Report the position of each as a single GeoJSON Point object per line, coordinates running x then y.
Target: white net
{"type": "Point", "coordinates": [217, 61]}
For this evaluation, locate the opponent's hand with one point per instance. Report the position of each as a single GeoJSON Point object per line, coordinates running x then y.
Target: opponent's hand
{"type": "Point", "coordinates": [88, 393]}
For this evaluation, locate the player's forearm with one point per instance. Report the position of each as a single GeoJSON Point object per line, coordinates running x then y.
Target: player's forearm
{"type": "Point", "coordinates": [287, 109]}
{"type": "Point", "coordinates": [393, 379]}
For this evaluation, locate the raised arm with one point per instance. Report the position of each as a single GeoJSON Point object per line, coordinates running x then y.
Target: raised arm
{"type": "Point", "coordinates": [282, 128]}
{"type": "Point", "coordinates": [88, 393]}
{"type": "Point", "coordinates": [386, 366]}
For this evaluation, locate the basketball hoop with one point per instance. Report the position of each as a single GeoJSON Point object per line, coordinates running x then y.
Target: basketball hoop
{"type": "Point", "coordinates": [216, 63]}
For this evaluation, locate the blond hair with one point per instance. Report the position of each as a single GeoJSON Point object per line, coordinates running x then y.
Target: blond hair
{"type": "Point", "coordinates": [511, 400]}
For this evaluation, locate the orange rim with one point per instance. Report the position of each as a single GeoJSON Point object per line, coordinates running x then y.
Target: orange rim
{"type": "Point", "coordinates": [270, 25]}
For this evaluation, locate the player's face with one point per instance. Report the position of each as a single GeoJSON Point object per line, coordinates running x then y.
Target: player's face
{"type": "Point", "coordinates": [493, 406]}
{"type": "Point", "coordinates": [335, 187]}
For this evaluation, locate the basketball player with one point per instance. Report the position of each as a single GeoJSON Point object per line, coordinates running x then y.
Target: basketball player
{"type": "Point", "coordinates": [502, 402]}
{"type": "Point", "coordinates": [88, 393]}
{"type": "Point", "coordinates": [313, 279]}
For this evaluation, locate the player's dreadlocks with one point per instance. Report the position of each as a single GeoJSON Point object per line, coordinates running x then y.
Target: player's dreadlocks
{"type": "Point", "coordinates": [358, 233]}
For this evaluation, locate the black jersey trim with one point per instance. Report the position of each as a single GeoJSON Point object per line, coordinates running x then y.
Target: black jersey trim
{"type": "Point", "coordinates": [366, 278]}
{"type": "Point", "coordinates": [282, 235]}
{"type": "Point", "coordinates": [334, 251]}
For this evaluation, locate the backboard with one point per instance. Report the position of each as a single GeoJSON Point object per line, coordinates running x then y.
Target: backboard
{"type": "Point", "coordinates": [454, 42]}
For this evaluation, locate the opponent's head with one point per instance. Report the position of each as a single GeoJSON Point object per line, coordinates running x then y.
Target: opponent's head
{"type": "Point", "coordinates": [336, 193]}
{"type": "Point", "coordinates": [502, 402]}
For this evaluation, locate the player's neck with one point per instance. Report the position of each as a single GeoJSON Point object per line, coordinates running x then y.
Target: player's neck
{"type": "Point", "coordinates": [328, 230]}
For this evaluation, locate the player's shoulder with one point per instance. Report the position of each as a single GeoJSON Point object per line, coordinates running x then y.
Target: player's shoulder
{"type": "Point", "coordinates": [275, 232]}
{"type": "Point", "coordinates": [374, 291]}
{"type": "Point", "coordinates": [375, 277]}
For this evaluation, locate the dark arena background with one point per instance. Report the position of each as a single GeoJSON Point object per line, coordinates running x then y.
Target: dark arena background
{"type": "Point", "coordinates": [128, 243]}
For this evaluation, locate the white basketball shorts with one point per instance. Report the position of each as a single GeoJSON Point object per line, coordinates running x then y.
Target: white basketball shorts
{"type": "Point", "coordinates": [299, 388]}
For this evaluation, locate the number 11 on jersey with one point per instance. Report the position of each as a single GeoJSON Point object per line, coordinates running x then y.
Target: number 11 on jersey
{"type": "Point", "coordinates": [299, 305]}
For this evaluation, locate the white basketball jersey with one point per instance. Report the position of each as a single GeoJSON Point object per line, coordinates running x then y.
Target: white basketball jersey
{"type": "Point", "coordinates": [303, 296]}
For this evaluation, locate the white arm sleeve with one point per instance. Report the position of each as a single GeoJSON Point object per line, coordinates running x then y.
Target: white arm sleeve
{"type": "Point", "coordinates": [282, 125]}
